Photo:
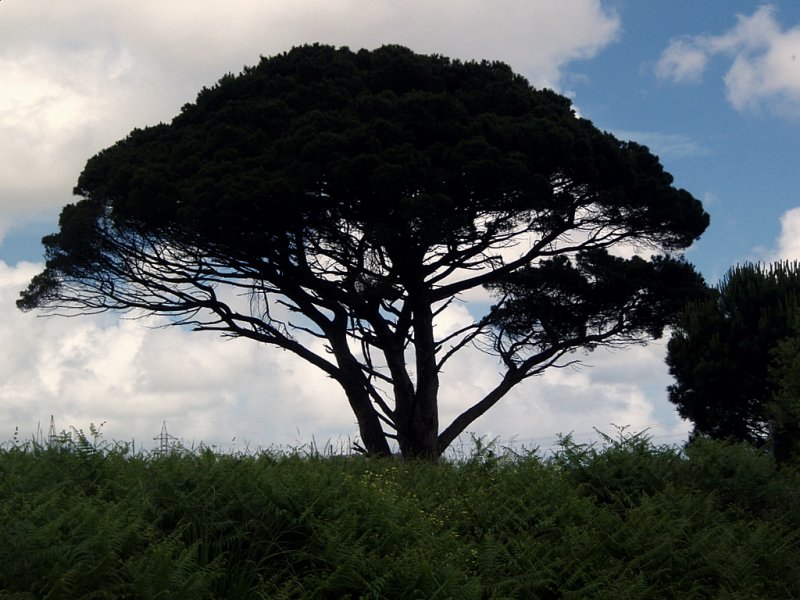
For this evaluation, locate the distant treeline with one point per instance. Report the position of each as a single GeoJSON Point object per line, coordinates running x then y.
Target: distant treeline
{"type": "Point", "coordinates": [627, 519]}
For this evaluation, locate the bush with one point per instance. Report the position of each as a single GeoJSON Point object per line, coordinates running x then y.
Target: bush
{"type": "Point", "coordinates": [625, 520]}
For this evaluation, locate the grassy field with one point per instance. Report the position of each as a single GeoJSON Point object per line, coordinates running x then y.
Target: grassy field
{"type": "Point", "coordinates": [624, 520]}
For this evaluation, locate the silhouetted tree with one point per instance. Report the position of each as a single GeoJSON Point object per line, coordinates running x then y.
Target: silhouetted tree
{"type": "Point", "coordinates": [352, 197]}
{"type": "Point", "coordinates": [723, 347]}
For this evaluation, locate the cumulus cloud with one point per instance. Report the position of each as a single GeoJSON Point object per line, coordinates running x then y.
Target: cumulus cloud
{"type": "Point", "coordinates": [765, 72]}
{"type": "Point", "coordinates": [682, 61]}
{"type": "Point", "coordinates": [788, 247]}
{"type": "Point", "coordinates": [132, 376]}
{"type": "Point", "coordinates": [76, 76]}
{"type": "Point", "coordinates": [624, 388]}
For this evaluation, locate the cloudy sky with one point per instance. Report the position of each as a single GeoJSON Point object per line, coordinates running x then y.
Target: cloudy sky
{"type": "Point", "coordinates": [712, 87]}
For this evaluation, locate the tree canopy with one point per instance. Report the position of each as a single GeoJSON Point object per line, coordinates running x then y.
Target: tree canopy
{"type": "Point", "coordinates": [784, 408]}
{"type": "Point", "coordinates": [724, 349]}
{"type": "Point", "coordinates": [352, 197]}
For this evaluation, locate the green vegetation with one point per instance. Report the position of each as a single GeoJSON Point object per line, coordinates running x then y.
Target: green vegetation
{"type": "Point", "coordinates": [734, 356]}
{"type": "Point", "coordinates": [625, 520]}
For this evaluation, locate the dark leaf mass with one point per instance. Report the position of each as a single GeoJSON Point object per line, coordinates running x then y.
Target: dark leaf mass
{"type": "Point", "coordinates": [724, 348]}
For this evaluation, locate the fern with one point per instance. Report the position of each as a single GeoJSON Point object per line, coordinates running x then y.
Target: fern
{"type": "Point", "coordinates": [624, 519]}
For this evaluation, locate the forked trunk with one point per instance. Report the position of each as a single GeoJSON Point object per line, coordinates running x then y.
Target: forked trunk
{"type": "Point", "coordinates": [418, 415]}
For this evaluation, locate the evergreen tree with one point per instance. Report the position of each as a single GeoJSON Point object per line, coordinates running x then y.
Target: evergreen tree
{"type": "Point", "coordinates": [352, 197]}
{"type": "Point", "coordinates": [723, 348]}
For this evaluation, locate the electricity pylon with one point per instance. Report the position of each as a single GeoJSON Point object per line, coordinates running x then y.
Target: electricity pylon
{"type": "Point", "coordinates": [164, 439]}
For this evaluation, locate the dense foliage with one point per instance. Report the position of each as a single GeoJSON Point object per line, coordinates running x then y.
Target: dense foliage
{"type": "Point", "coordinates": [723, 351]}
{"type": "Point", "coordinates": [784, 408]}
{"type": "Point", "coordinates": [352, 197]}
{"type": "Point", "coordinates": [628, 520]}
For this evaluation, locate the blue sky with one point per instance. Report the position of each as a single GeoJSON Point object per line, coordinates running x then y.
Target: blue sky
{"type": "Point", "coordinates": [741, 161]}
{"type": "Point", "coordinates": [712, 87]}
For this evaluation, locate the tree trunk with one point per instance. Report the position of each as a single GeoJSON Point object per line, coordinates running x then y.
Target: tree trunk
{"type": "Point", "coordinates": [369, 425]}
{"type": "Point", "coordinates": [420, 438]}
{"type": "Point", "coordinates": [355, 387]}
{"type": "Point", "coordinates": [372, 434]}
{"type": "Point", "coordinates": [418, 415]}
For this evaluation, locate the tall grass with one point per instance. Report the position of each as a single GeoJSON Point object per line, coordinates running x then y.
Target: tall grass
{"type": "Point", "coordinates": [627, 519]}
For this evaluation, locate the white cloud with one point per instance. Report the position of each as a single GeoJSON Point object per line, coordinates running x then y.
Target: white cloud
{"type": "Point", "coordinates": [788, 247]}
{"type": "Point", "coordinates": [76, 76]}
{"type": "Point", "coordinates": [50, 110]}
{"type": "Point", "coordinates": [682, 61]}
{"type": "Point", "coordinates": [620, 388]}
{"type": "Point", "coordinates": [96, 369]}
{"type": "Point", "coordinates": [765, 72]}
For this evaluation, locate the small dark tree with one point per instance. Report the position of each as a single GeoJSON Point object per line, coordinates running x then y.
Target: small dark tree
{"type": "Point", "coordinates": [353, 196]}
{"type": "Point", "coordinates": [723, 347]}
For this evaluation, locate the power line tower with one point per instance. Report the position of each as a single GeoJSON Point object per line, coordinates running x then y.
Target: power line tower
{"type": "Point", "coordinates": [163, 439]}
{"type": "Point", "coordinates": [52, 437]}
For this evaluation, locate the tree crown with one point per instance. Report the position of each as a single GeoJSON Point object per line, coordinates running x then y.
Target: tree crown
{"type": "Point", "coordinates": [365, 191]}
{"type": "Point", "coordinates": [722, 350]}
